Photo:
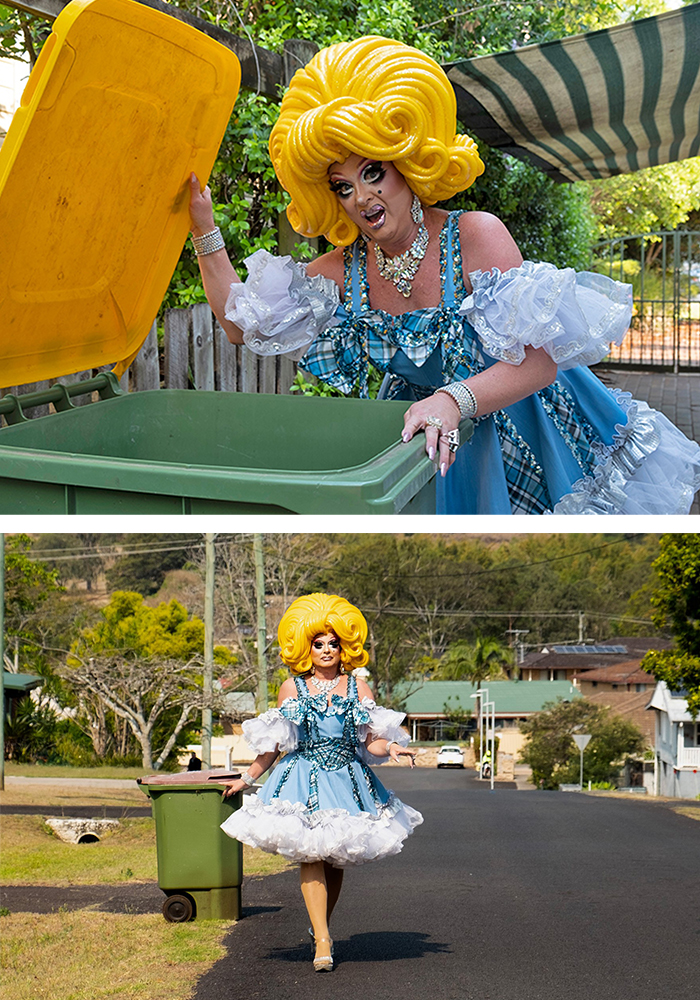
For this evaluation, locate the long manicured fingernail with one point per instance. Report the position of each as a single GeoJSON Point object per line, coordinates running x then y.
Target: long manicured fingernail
{"type": "Point", "coordinates": [443, 469]}
{"type": "Point", "coordinates": [405, 437]}
{"type": "Point", "coordinates": [431, 453]}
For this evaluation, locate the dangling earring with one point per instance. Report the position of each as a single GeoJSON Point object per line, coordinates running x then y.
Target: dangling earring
{"type": "Point", "coordinates": [416, 210]}
{"type": "Point", "coordinates": [366, 238]}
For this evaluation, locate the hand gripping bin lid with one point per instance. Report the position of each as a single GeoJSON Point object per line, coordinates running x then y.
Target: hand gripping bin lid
{"type": "Point", "coordinates": [123, 103]}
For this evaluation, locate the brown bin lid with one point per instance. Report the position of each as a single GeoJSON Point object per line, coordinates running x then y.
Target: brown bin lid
{"type": "Point", "coordinates": [190, 778]}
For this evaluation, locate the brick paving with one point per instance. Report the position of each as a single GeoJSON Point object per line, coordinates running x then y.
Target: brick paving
{"type": "Point", "coordinates": [676, 396]}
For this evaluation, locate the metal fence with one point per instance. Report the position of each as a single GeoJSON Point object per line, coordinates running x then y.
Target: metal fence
{"type": "Point", "coordinates": [664, 270]}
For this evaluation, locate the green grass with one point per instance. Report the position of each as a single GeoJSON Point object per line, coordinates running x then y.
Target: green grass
{"type": "Point", "coordinates": [33, 855]}
{"type": "Point", "coordinates": [89, 955]}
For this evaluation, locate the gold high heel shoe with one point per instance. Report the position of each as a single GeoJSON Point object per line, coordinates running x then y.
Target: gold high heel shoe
{"type": "Point", "coordinates": [324, 963]}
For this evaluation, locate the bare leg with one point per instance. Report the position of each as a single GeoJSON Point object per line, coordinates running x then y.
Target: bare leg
{"type": "Point", "coordinates": [334, 883]}
{"type": "Point", "coordinates": [315, 893]}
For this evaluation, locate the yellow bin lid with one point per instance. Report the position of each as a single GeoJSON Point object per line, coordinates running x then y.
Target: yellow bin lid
{"type": "Point", "coordinates": [123, 103]}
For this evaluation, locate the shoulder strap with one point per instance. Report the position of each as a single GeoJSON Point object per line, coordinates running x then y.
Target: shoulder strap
{"type": "Point", "coordinates": [352, 686]}
{"type": "Point", "coordinates": [301, 687]}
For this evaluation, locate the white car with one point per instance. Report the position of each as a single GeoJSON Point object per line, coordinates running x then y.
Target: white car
{"type": "Point", "coordinates": [450, 756]}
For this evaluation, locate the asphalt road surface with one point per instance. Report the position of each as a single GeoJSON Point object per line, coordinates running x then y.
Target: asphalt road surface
{"type": "Point", "coordinates": [497, 896]}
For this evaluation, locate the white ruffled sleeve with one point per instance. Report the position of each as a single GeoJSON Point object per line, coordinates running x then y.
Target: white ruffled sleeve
{"type": "Point", "coordinates": [279, 308]}
{"type": "Point", "coordinates": [574, 316]}
{"type": "Point", "coordinates": [269, 731]}
{"type": "Point", "coordinates": [384, 724]}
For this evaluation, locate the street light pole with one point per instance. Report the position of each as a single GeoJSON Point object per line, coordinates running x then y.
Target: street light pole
{"type": "Point", "coordinates": [478, 694]}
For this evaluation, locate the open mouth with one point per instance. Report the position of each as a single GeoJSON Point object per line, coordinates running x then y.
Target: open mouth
{"type": "Point", "coordinates": [374, 216]}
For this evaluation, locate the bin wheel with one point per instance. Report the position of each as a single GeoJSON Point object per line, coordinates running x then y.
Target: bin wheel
{"type": "Point", "coordinates": [178, 909]}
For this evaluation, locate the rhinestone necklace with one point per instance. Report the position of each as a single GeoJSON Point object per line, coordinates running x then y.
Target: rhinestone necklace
{"type": "Point", "coordinates": [326, 686]}
{"type": "Point", "coordinates": [403, 269]}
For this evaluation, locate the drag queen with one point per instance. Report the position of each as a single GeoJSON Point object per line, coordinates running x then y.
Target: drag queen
{"type": "Point", "coordinates": [441, 303]}
{"type": "Point", "coordinates": [322, 806]}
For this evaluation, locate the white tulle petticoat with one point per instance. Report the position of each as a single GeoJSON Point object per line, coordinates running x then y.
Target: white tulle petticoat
{"type": "Point", "coordinates": [333, 835]}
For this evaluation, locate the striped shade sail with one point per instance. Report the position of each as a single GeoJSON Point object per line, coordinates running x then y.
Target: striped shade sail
{"type": "Point", "coordinates": [594, 105]}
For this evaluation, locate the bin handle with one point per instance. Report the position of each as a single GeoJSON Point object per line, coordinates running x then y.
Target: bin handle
{"type": "Point", "coordinates": [12, 407]}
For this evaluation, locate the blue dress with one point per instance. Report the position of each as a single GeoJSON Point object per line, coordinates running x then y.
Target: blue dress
{"type": "Point", "coordinates": [574, 447]}
{"type": "Point", "coordinates": [322, 802]}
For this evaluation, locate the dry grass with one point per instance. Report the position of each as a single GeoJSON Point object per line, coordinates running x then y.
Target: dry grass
{"type": "Point", "coordinates": [53, 798]}
{"type": "Point", "coordinates": [65, 771]}
{"type": "Point", "coordinates": [88, 955]}
{"type": "Point", "coordinates": [692, 812]}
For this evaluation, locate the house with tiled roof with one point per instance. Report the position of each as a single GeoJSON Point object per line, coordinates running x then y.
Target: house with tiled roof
{"type": "Point", "coordinates": [677, 744]}
{"type": "Point", "coordinates": [624, 688]}
{"type": "Point", "coordinates": [561, 662]}
{"type": "Point", "coordinates": [428, 708]}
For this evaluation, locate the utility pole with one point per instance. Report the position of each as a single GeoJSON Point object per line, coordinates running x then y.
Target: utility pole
{"type": "Point", "coordinates": [2, 661]}
{"type": "Point", "coordinates": [208, 682]}
{"type": "Point", "coordinates": [580, 628]}
{"type": "Point", "coordinates": [261, 693]}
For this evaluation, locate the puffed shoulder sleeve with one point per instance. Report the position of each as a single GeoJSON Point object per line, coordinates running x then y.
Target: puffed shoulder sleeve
{"type": "Point", "coordinates": [270, 731]}
{"type": "Point", "coordinates": [279, 308]}
{"type": "Point", "coordinates": [574, 316]}
{"type": "Point", "coordinates": [383, 723]}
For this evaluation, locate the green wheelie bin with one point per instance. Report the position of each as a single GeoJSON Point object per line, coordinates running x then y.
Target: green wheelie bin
{"type": "Point", "coordinates": [200, 869]}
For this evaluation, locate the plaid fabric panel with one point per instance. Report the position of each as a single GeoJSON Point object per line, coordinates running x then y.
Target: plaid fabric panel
{"type": "Point", "coordinates": [525, 479]}
{"type": "Point", "coordinates": [577, 433]}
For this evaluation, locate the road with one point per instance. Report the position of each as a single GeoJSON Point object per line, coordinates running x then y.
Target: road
{"type": "Point", "coordinates": [497, 896]}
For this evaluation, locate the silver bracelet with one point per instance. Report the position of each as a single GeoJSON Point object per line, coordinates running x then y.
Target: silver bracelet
{"type": "Point", "coordinates": [248, 779]}
{"type": "Point", "coordinates": [463, 397]}
{"type": "Point", "coordinates": [208, 243]}
{"type": "Point", "coordinates": [389, 745]}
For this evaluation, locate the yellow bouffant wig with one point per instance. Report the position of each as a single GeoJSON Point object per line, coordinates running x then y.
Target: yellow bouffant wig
{"type": "Point", "coordinates": [377, 98]}
{"type": "Point", "coordinates": [317, 614]}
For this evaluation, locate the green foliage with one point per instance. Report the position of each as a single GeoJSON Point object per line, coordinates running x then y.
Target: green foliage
{"type": "Point", "coordinates": [457, 716]}
{"type": "Point", "coordinates": [484, 659]}
{"type": "Point", "coordinates": [30, 732]}
{"type": "Point", "coordinates": [548, 221]}
{"type": "Point", "coordinates": [318, 388]}
{"type": "Point", "coordinates": [21, 35]}
{"type": "Point", "coordinates": [658, 198]}
{"type": "Point", "coordinates": [554, 757]}
{"type": "Point", "coordinates": [144, 571]}
{"type": "Point", "coordinates": [676, 599]}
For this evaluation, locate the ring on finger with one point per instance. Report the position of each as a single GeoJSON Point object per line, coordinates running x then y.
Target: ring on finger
{"type": "Point", "coordinates": [451, 438]}
{"type": "Point", "coordinates": [433, 421]}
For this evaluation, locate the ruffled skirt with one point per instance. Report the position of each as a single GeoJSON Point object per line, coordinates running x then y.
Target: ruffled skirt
{"type": "Point", "coordinates": [643, 463]}
{"type": "Point", "coordinates": [333, 835]}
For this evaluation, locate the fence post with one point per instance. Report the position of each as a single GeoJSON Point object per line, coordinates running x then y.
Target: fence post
{"type": "Point", "coordinates": [203, 346]}
{"type": "Point", "coordinates": [176, 353]}
{"type": "Point", "coordinates": [225, 361]}
{"type": "Point", "coordinates": [145, 368]}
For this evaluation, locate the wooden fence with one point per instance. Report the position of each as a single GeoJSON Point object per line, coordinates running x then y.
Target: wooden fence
{"type": "Point", "coordinates": [195, 354]}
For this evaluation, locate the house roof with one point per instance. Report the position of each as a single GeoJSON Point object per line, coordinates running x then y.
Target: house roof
{"type": "Point", "coordinates": [20, 682]}
{"type": "Point", "coordinates": [675, 705]}
{"type": "Point", "coordinates": [618, 673]}
{"type": "Point", "coordinates": [630, 705]}
{"type": "Point", "coordinates": [509, 697]}
{"type": "Point", "coordinates": [560, 657]}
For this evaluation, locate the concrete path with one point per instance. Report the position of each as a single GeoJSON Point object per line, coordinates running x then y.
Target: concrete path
{"type": "Point", "coordinates": [17, 781]}
{"type": "Point", "coordinates": [676, 396]}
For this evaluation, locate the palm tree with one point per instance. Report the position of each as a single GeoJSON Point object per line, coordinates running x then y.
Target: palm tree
{"type": "Point", "coordinates": [484, 659]}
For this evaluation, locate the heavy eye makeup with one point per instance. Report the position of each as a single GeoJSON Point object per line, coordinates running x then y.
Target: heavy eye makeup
{"type": "Point", "coordinates": [372, 173]}
{"type": "Point", "coordinates": [334, 644]}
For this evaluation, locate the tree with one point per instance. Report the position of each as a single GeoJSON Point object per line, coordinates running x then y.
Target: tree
{"type": "Point", "coordinates": [657, 198]}
{"type": "Point", "coordinates": [553, 755]}
{"type": "Point", "coordinates": [144, 569]}
{"type": "Point", "coordinates": [484, 659]}
{"type": "Point", "coordinates": [143, 665]}
{"type": "Point", "coordinates": [676, 598]}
